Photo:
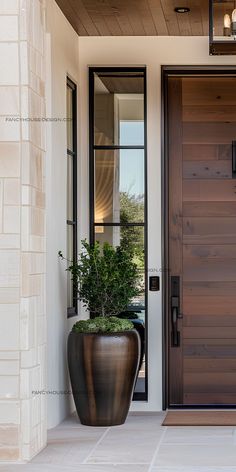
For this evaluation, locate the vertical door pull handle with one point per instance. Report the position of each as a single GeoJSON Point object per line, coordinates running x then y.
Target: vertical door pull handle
{"type": "Point", "coordinates": [175, 312]}
{"type": "Point", "coordinates": [234, 159]}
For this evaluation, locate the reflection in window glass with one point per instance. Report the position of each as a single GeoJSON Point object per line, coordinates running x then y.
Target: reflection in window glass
{"type": "Point", "coordinates": [119, 186]}
{"type": "Point", "coordinates": [118, 100]}
{"type": "Point", "coordinates": [71, 216]}
{"type": "Point", "coordinates": [118, 189]}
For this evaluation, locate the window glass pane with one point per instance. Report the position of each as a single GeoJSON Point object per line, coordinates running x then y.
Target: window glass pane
{"type": "Point", "coordinates": [70, 258]}
{"type": "Point", "coordinates": [69, 188]}
{"type": "Point", "coordinates": [131, 237]}
{"type": "Point", "coordinates": [69, 115]}
{"type": "Point", "coordinates": [119, 186]}
{"type": "Point", "coordinates": [118, 101]}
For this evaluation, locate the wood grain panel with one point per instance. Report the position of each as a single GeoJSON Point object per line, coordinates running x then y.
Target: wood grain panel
{"type": "Point", "coordinates": [206, 152]}
{"type": "Point", "coordinates": [212, 398]}
{"type": "Point", "coordinates": [206, 91]}
{"type": "Point", "coordinates": [170, 18]}
{"type": "Point", "coordinates": [158, 17]}
{"type": "Point", "coordinates": [209, 263]}
{"type": "Point", "coordinates": [209, 208]}
{"type": "Point", "coordinates": [212, 113]}
{"type": "Point", "coordinates": [209, 190]}
{"type": "Point", "coordinates": [212, 305]}
{"type": "Point", "coordinates": [145, 17]}
{"type": "Point", "coordinates": [175, 225]}
{"type": "Point", "coordinates": [195, 18]}
{"type": "Point", "coordinates": [209, 382]}
{"type": "Point", "coordinates": [209, 133]}
{"type": "Point", "coordinates": [209, 365]}
{"type": "Point", "coordinates": [212, 319]}
{"type": "Point", "coordinates": [208, 216]}
{"type": "Point", "coordinates": [209, 289]}
{"type": "Point", "coordinates": [207, 170]}
{"type": "Point", "coordinates": [198, 230]}
{"type": "Point", "coordinates": [209, 332]}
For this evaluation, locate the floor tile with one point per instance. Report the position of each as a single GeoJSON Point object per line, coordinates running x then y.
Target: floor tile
{"type": "Point", "coordinates": [196, 455]}
{"type": "Point", "coordinates": [199, 435]}
{"type": "Point", "coordinates": [193, 469]}
{"type": "Point", "coordinates": [122, 445]}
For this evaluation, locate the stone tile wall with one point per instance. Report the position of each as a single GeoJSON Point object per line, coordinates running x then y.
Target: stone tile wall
{"type": "Point", "coordinates": [22, 230]}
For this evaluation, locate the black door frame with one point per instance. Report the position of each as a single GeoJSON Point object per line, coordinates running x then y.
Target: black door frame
{"type": "Point", "coordinates": [167, 71]}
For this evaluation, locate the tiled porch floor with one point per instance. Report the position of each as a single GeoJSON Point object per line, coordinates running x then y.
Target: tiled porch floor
{"type": "Point", "coordinates": [140, 445]}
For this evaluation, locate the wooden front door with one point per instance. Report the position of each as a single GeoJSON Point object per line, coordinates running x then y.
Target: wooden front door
{"type": "Point", "coordinates": [201, 130]}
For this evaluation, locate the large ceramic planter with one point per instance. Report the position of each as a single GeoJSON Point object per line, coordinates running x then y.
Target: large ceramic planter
{"type": "Point", "coordinates": [103, 370]}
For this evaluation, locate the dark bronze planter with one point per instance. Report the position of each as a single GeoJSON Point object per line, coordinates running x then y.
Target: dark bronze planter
{"type": "Point", "coordinates": [103, 370]}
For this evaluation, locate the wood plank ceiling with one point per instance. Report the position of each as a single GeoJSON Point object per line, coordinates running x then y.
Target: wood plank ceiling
{"type": "Point", "coordinates": [136, 17]}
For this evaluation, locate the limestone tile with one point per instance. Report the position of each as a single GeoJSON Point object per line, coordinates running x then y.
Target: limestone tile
{"type": "Point", "coordinates": [9, 386]}
{"type": "Point", "coordinates": [9, 321]}
{"type": "Point", "coordinates": [24, 20]}
{"type": "Point", "coordinates": [9, 268]}
{"type": "Point", "coordinates": [9, 435]}
{"type": "Point", "coordinates": [199, 455]}
{"type": "Point", "coordinates": [37, 221]}
{"type": "Point", "coordinates": [11, 191]}
{"type": "Point", "coordinates": [25, 429]}
{"type": "Point", "coordinates": [71, 451]}
{"type": "Point", "coordinates": [82, 468]}
{"type": "Point", "coordinates": [9, 99]}
{"type": "Point", "coordinates": [1, 205]}
{"type": "Point", "coordinates": [9, 159]}
{"type": "Point", "coordinates": [25, 228]}
{"type": "Point", "coordinates": [27, 323]}
{"type": "Point", "coordinates": [9, 65]}
{"type": "Point", "coordinates": [9, 295]}
{"type": "Point", "coordinates": [9, 281]}
{"type": "Point", "coordinates": [193, 469]}
{"type": "Point", "coordinates": [31, 285]}
{"type": "Point", "coordinates": [136, 449]}
{"type": "Point", "coordinates": [200, 435]}
{"type": "Point", "coordinates": [9, 367]}
{"type": "Point", "coordinates": [29, 381]}
{"type": "Point", "coordinates": [9, 241]}
{"type": "Point", "coordinates": [41, 329]}
{"type": "Point", "coordinates": [35, 410]}
{"type": "Point", "coordinates": [11, 219]}
{"type": "Point", "coordinates": [26, 195]}
{"type": "Point", "coordinates": [40, 198]}
{"type": "Point", "coordinates": [24, 62]}
{"type": "Point", "coordinates": [29, 358]}
{"type": "Point", "coordinates": [37, 243]}
{"type": "Point", "coordinates": [10, 412]}
{"type": "Point", "coordinates": [9, 127]}
{"type": "Point", "coordinates": [8, 28]}
{"type": "Point", "coordinates": [9, 453]}
{"type": "Point", "coordinates": [9, 7]}
{"type": "Point", "coordinates": [9, 355]}
{"type": "Point", "coordinates": [32, 159]}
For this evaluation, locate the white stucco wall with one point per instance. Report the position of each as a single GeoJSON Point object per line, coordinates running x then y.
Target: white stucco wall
{"type": "Point", "coordinates": [62, 60]}
{"type": "Point", "coordinates": [152, 52]}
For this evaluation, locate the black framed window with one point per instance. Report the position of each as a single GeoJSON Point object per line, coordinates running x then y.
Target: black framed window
{"type": "Point", "coordinates": [71, 156]}
{"type": "Point", "coordinates": [118, 204]}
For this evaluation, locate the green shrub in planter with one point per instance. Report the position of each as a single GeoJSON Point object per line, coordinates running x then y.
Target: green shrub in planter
{"type": "Point", "coordinates": [107, 280]}
{"type": "Point", "coordinates": [101, 324]}
{"type": "Point", "coordinates": [104, 352]}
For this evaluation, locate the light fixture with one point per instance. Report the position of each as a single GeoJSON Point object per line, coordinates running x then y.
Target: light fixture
{"type": "Point", "coordinates": [222, 41]}
{"type": "Point", "coordinates": [227, 25]}
{"type": "Point", "coordinates": [182, 9]}
{"type": "Point", "coordinates": [234, 22]}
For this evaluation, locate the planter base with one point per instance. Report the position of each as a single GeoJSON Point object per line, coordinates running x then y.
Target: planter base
{"type": "Point", "coordinates": [103, 370]}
